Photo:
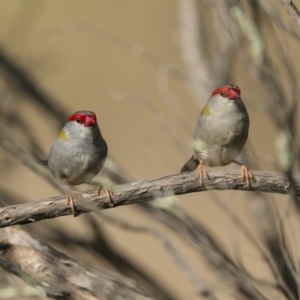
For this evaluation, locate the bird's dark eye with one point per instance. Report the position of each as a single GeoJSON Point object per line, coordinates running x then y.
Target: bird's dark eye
{"type": "Point", "coordinates": [222, 94]}
{"type": "Point", "coordinates": [78, 120]}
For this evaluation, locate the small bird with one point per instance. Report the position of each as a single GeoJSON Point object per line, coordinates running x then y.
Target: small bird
{"type": "Point", "coordinates": [221, 133]}
{"type": "Point", "coordinates": [78, 153]}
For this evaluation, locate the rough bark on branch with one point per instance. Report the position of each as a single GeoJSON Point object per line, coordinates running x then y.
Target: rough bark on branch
{"type": "Point", "coordinates": [142, 191]}
{"type": "Point", "coordinates": [292, 10]}
{"type": "Point", "coordinates": [56, 275]}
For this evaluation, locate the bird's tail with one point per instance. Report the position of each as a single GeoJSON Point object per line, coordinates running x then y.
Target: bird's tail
{"type": "Point", "coordinates": [190, 165]}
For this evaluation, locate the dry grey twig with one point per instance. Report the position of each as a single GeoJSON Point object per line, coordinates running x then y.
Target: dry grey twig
{"type": "Point", "coordinates": [139, 192]}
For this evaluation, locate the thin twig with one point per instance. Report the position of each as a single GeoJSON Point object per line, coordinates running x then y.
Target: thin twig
{"type": "Point", "coordinates": [283, 247]}
{"type": "Point", "coordinates": [159, 116]}
{"type": "Point", "coordinates": [22, 80]}
{"type": "Point", "coordinates": [171, 248]}
{"type": "Point", "coordinates": [292, 10]}
{"type": "Point", "coordinates": [129, 46]}
{"type": "Point", "coordinates": [269, 12]}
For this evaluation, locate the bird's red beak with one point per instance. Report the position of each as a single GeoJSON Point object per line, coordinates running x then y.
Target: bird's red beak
{"type": "Point", "coordinates": [89, 121]}
{"type": "Point", "coordinates": [233, 94]}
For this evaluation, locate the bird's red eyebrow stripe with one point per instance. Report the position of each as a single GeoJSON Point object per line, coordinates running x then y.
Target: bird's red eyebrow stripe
{"type": "Point", "coordinates": [226, 90]}
{"type": "Point", "coordinates": [223, 89]}
{"type": "Point", "coordinates": [77, 116]}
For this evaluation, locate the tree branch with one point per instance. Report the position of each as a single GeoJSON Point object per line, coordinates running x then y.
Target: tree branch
{"type": "Point", "coordinates": [142, 191]}
{"type": "Point", "coordinates": [292, 10]}
{"type": "Point", "coordinates": [198, 282]}
{"type": "Point", "coordinates": [56, 275]}
{"type": "Point", "coordinates": [22, 80]}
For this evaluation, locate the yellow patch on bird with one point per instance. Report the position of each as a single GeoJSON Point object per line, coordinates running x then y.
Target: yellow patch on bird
{"type": "Point", "coordinates": [200, 145]}
{"type": "Point", "coordinates": [62, 135]}
{"type": "Point", "coordinates": [205, 111]}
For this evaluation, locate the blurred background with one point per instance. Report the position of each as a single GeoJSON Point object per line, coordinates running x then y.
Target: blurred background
{"type": "Point", "coordinates": [146, 68]}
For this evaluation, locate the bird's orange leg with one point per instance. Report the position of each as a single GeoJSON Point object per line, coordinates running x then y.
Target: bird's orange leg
{"type": "Point", "coordinates": [246, 174]}
{"type": "Point", "coordinates": [201, 173]}
{"type": "Point", "coordinates": [70, 202]}
{"type": "Point", "coordinates": [108, 194]}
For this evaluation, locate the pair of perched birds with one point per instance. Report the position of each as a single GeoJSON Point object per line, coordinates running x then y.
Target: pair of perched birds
{"type": "Point", "coordinates": [78, 153]}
